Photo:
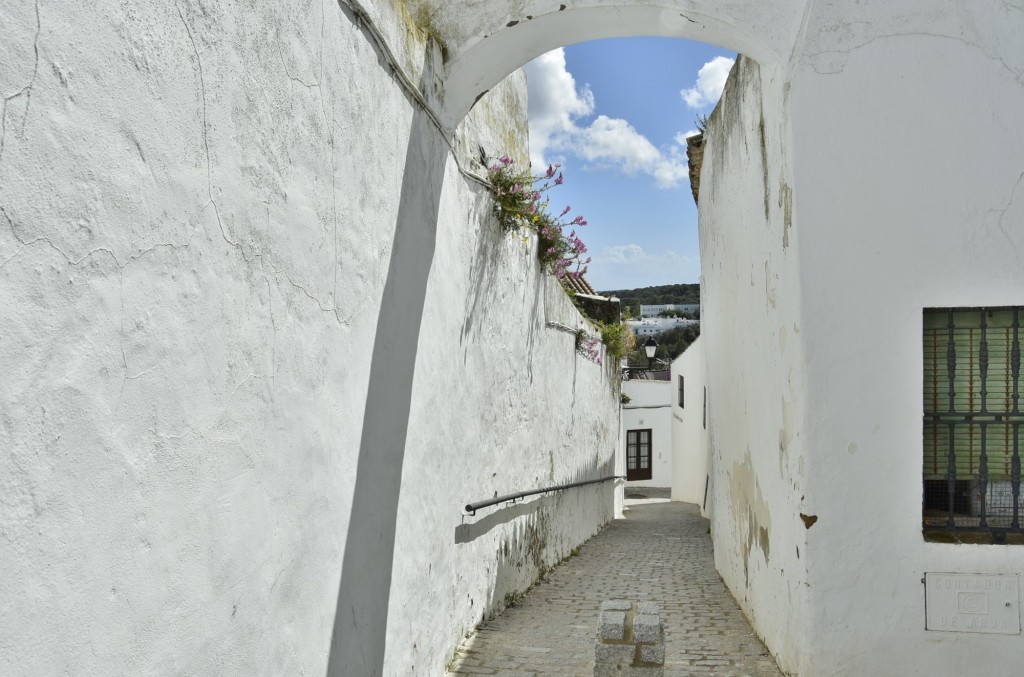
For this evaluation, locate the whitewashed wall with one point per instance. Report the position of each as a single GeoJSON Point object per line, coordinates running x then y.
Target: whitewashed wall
{"type": "Point", "coordinates": [918, 203]}
{"type": "Point", "coordinates": [260, 338]}
{"type": "Point", "coordinates": [751, 333]}
{"type": "Point", "coordinates": [250, 350]}
{"type": "Point", "coordinates": [689, 434]}
{"type": "Point", "coordinates": [886, 212]}
{"type": "Point", "coordinates": [650, 406]}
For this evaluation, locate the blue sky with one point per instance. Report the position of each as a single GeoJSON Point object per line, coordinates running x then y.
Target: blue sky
{"type": "Point", "coordinates": [615, 114]}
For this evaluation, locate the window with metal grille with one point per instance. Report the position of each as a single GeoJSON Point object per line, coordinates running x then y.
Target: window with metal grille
{"type": "Point", "coordinates": [638, 454]}
{"type": "Point", "coordinates": [680, 392]}
{"type": "Point", "coordinates": [972, 424]}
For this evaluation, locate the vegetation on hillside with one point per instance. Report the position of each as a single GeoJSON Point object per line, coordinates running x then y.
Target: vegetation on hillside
{"type": "Point", "coordinates": [669, 293]}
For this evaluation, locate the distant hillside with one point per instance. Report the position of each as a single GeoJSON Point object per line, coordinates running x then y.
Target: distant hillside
{"type": "Point", "coordinates": [669, 293]}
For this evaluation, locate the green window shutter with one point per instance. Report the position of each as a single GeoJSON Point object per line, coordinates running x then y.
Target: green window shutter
{"type": "Point", "coordinates": [971, 394]}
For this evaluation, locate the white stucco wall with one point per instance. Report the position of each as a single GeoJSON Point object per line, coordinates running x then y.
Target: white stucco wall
{"type": "Point", "coordinates": [689, 434]}
{"type": "Point", "coordinates": [255, 325]}
{"type": "Point", "coordinates": [910, 207]}
{"type": "Point", "coordinates": [650, 406]}
{"type": "Point", "coordinates": [751, 333]}
{"type": "Point", "coordinates": [253, 357]}
{"type": "Point", "coordinates": [892, 217]}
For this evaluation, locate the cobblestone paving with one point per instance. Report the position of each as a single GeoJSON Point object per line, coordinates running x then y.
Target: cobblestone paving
{"type": "Point", "coordinates": [661, 553]}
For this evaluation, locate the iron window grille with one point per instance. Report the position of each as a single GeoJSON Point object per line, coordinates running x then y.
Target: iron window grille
{"type": "Point", "coordinates": [972, 422]}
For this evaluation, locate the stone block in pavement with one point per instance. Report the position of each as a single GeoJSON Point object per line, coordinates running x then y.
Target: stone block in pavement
{"type": "Point", "coordinates": [648, 608]}
{"type": "Point", "coordinates": [614, 654]}
{"type": "Point", "coordinates": [616, 605]}
{"type": "Point", "coordinates": [652, 653]}
{"type": "Point", "coordinates": [612, 625]}
{"type": "Point", "coordinates": [646, 628]}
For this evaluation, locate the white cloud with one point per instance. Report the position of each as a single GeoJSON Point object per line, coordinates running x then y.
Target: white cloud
{"type": "Point", "coordinates": [710, 82]}
{"type": "Point", "coordinates": [681, 137]}
{"type": "Point", "coordinates": [610, 142]}
{"type": "Point", "coordinates": [616, 141]}
{"type": "Point", "coordinates": [554, 104]}
{"type": "Point", "coordinates": [628, 265]}
{"type": "Point", "coordinates": [634, 255]}
{"type": "Point", "coordinates": [623, 254]}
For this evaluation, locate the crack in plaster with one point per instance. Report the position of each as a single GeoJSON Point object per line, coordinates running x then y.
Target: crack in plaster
{"type": "Point", "coordinates": [273, 329]}
{"type": "Point", "coordinates": [1009, 6]}
{"type": "Point", "coordinates": [120, 340]}
{"type": "Point", "coordinates": [72, 261]}
{"type": "Point", "coordinates": [206, 138]}
{"type": "Point", "coordinates": [801, 37]}
{"type": "Point", "coordinates": [288, 72]}
{"type": "Point", "coordinates": [26, 90]}
{"type": "Point", "coordinates": [1017, 75]}
{"type": "Point", "coordinates": [329, 122]}
{"type": "Point", "coordinates": [1002, 212]}
{"type": "Point", "coordinates": [332, 308]}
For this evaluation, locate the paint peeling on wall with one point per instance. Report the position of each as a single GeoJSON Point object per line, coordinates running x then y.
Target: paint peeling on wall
{"type": "Point", "coordinates": [786, 203]}
{"type": "Point", "coordinates": [754, 518]}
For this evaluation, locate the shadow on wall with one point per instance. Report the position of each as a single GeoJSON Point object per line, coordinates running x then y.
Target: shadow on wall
{"type": "Point", "coordinates": [534, 544]}
{"type": "Point", "coordinates": [484, 270]}
{"type": "Point", "coordinates": [361, 616]}
{"type": "Point", "coordinates": [485, 273]}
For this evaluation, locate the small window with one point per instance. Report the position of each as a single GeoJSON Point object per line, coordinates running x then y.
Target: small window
{"type": "Point", "coordinates": [705, 423]}
{"type": "Point", "coordinates": [680, 378]}
{"type": "Point", "coordinates": [971, 432]}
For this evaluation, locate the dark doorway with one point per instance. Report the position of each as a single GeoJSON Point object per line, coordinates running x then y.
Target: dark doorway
{"type": "Point", "coordinates": [638, 454]}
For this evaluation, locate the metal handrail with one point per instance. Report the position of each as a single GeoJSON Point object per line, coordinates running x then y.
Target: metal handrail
{"type": "Point", "coordinates": [471, 508]}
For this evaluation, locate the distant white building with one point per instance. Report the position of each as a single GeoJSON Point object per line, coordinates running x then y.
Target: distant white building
{"type": "Point", "coordinates": [657, 309]}
{"type": "Point", "coordinates": [656, 325]}
{"type": "Point", "coordinates": [647, 428]}
{"type": "Point", "coordinates": [690, 463]}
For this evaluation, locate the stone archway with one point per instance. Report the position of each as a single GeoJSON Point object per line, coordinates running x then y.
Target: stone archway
{"type": "Point", "coordinates": [479, 47]}
{"type": "Point", "coordinates": [490, 45]}
{"type": "Point", "coordinates": [209, 212]}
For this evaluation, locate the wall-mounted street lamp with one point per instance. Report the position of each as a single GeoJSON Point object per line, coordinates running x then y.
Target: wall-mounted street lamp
{"type": "Point", "coordinates": [650, 347]}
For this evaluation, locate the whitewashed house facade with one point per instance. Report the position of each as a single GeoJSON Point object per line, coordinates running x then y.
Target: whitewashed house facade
{"type": "Point", "coordinates": [647, 432]}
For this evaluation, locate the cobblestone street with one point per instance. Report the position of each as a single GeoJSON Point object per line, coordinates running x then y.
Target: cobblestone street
{"type": "Point", "coordinates": [661, 553]}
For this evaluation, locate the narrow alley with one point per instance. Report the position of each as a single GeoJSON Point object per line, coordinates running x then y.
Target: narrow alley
{"type": "Point", "coordinates": [660, 552]}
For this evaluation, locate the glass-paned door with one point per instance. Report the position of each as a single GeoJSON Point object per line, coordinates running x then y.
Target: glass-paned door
{"type": "Point", "coordinates": [638, 454]}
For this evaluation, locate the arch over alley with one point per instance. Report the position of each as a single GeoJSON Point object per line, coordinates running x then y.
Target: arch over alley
{"type": "Point", "coordinates": [261, 330]}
